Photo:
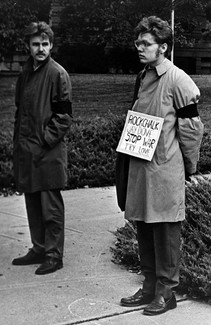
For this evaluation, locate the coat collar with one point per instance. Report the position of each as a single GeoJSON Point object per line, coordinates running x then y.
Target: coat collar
{"type": "Point", "coordinates": [162, 67]}
{"type": "Point", "coordinates": [30, 61]}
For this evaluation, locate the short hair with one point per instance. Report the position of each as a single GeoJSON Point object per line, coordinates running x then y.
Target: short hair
{"type": "Point", "coordinates": [39, 28]}
{"type": "Point", "coordinates": [159, 28]}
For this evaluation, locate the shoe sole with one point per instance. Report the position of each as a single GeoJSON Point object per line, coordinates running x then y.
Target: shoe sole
{"type": "Point", "coordinates": [50, 271]}
{"type": "Point", "coordinates": [134, 305]}
{"type": "Point", "coordinates": [147, 313]}
{"type": "Point", "coordinates": [28, 263]}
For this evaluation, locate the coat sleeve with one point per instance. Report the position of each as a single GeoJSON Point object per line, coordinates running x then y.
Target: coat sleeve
{"type": "Point", "coordinates": [61, 103]}
{"type": "Point", "coordinates": [189, 127]}
{"type": "Point", "coordinates": [17, 102]}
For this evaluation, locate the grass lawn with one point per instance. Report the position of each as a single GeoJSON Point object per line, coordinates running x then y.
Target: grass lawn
{"type": "Point", "coordinates": [92, 95]}
{"type": "Point", "coordinates": [96, 94]}
{"type": "Point", "coordinates": [204, 84]}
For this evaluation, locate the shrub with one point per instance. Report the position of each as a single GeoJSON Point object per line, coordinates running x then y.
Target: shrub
{"type": "Point", "coordinates": [91, 152]}
{"type": "Point", "coordinates": [195, 270]}
{"type": "Point", "coordinates": [6, 165]}
{"type": "Point", "coordinates": [204, 165]}
{"type": "Point", "coordinates": [125, 251]}
{"type": "Point", "coordinates": [196, 241]}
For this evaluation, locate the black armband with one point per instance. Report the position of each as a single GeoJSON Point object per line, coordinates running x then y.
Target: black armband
{"type": "Point", "coordinates": [62, 108]}
{"type": "Point", "coordinates": [188, 111]}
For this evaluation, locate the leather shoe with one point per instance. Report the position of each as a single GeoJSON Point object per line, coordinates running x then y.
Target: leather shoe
{"type": "Point", "coordinates": [160, 305]}
{"type": "Point", "coordinates": [51, 264]}
{"type": "Point", "coordinates": [138, 299]}
{"type": "Point", "coordinates": [30, 258]}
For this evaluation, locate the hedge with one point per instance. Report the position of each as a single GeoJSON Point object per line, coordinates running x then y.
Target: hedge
{"type": "Point", "coordinates": [91, 153]}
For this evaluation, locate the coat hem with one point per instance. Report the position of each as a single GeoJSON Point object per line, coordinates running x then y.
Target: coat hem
{"type": "Point", "coordinates": [155, 221]}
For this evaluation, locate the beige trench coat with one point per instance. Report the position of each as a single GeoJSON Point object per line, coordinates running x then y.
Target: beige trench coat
{"type": "Point", "coordinates": [156, 189]}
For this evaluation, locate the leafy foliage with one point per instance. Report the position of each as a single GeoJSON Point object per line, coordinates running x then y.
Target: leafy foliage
{"type": "Point", "coordinates": [6, 164]}
{"type": "Point", "coordinates": [92, 151]}
{"type": "Point", "coordinates": [125, 251]}
{"type": "Point", "coordinates": [111, 22]}
{"type": "Point", "coordinates": [204, 165]}
{"type": "Point", "coordinates": [103, 28]}
{"type": "Point", "coordinates": [14, 16]}
{"type": "Point", "coordinates": [196, 241]}
{"type": "Point", "coordinates": [108, 23]}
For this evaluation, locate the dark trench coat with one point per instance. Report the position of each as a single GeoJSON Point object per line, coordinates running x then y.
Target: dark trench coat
{"type": "Point", "coordinates": [43, 116]}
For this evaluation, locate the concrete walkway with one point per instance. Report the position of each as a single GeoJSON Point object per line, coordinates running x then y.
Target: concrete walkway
{"type": "Point", "coordinates": [88, 289]}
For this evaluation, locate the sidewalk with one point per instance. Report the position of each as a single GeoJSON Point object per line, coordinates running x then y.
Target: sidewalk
{"type": "Point", "coordinates": [89, 287]}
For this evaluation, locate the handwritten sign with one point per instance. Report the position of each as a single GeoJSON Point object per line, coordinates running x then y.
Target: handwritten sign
{"type": "Point", "coordinates": [140, 135]}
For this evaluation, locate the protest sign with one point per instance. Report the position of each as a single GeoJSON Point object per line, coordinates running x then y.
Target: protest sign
{"type": "Point", "coordinates": [140, 135]}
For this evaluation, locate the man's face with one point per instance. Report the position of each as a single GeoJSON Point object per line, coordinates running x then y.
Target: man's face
{"type": "Point", "coordinates": [39, 48]}
{"type": "Point", "coordinates": [149, 51]}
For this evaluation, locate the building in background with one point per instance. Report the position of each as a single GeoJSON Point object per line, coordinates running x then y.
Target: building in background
{"type": "Point", "coordinates": [195, 59]}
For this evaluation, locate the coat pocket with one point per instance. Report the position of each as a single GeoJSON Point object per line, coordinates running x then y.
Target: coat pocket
{"type": "Point", "coordinates": [38, 155]}
{"type": "Point", "coordinates": [160, 152]}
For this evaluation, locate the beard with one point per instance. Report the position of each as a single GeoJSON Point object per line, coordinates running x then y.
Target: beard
{"type": "Point", "coordinates": [157, 53]}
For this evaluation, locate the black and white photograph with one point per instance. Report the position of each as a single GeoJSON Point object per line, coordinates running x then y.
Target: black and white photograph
{"type": "Point", "coordinates": [105, 162]}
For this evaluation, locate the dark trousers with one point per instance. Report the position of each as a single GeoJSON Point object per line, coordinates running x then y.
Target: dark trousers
{"type": "Point", "coordinates": [159, 249]}
{"type": "Point", "coordinates": [45, 211]}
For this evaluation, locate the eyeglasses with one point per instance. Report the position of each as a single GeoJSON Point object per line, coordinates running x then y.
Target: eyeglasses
{"type": "Point", "coordinates": [144, 44]}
